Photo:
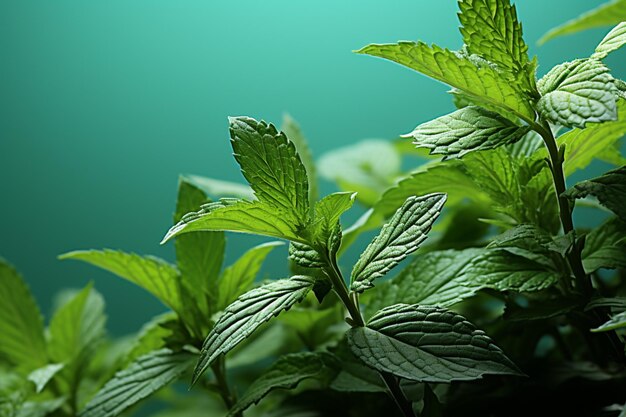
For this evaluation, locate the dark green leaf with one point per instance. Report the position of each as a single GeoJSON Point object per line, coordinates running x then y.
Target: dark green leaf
{"type": "Point", "coordinates": [609, 189]}
{"type": "Point", "coordinates": [406, 230]}
{"type": "Point", "coordinates": [427, 344]}
{"type": "Point", "coordinates": [605, 246]}
{"type": "Point", "coordinates": [247, 313]}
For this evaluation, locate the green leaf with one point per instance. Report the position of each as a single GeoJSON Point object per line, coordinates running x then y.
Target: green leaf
{"type": "Point", "coordinates": [152, 336]}
{"type": "Point", "coordinates": [327, 213]}
{"type": "Point", "coordinates": [21, 326]}
{"type": "Point", "coordinates": [199, 256]}
{"type": "Point", "coordinates": [287, 373]}
{"type": "Point", "coordinates": [618, 321]}
{"type": "Point", "coordinates": [427, 344]}
{"type": "Point", "coordinates": [150, 273]}
{"type": "Point", "coordinates": [219, 188]}
{"type": "Point", "coordinates": [239, 277]}
{"type": "Point", "coordinates": [444, 278]}
{"type": "Point", "coordinates": [605, 247]}
{"type": "Point", "coordinates": [609, 189]}
{"type": "Point", "coordinates": [146, 375]}
{"type": "Point", "coordinates": [491, 30]}
{"type": "Point", "coordinates": [41, 376]}
{"type": "Point", "coordinates": [614, 40]}
{"type": "Point", "coordinates": [305, 256]}
{"type": "Point", "coordinates": [406, 230]}
{"type": "Point", "coordinates": [247, 313]}
{"type": "Point", "coordinates": [530, 242]}
{"type": "Point", "coordinates": [475, 78]}
{"type": "Point", "coordinates": [468, 129]}
{"type": "Point", "coordinates": [368, 167]}
{"type": "Point", "coordinates": [271, 165]}
{"type": "Point", "coordinates": [295, 135]}
{"type": "Point", "coordinates": [254, 217]}
{"type": "Point", "coordinates": [578, 92]}
{"type": "Point", "coordinates": [609, 13]}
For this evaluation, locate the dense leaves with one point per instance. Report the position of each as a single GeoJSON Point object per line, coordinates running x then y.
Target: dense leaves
{"type": "Point", "coordinates": [609, 189]}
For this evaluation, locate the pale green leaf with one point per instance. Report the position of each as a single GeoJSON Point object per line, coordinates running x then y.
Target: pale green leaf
{"type": "Point", "coordinates": [609, 13]}
{"type": "Point", "coordinates": [247, 313]}
{"type": "Point", "coordinates": [295, 135]}
{"type": "Point", "coordinates": [150, 273]}
{"type": "Point", "coordinates": [406, 230]}
{"type": "Point", "coordinates": [305, 256]}
{"type": "Point", "coordinates": [427, 344]}
{"type": "Point", "coordinates": [578, 92]}
{"type": "Point", "coordinates": [21, 326]}
{"type": "Point", "coordinates": [270, 163]}
{"type": "Point", "coordinates": [618, 321]}
{"type": "Point", "coordinates": [41, 376]}
{"type": "Point", "coordinates": [239, 277]}
{"type": "Point", "coordinates": [151, 336]}
{"type": "Point", "coordinates": [140, 379]}
{"type": "Point", "coordinates": [219, 189]}
{"type": "Point", "coordinates": [614, 40]}
{"type": "Point", "coordinates": [476, 79]}
{"type": "Point", "coordinates": [286, 373]}
{"type": "Point", "coordinates": [253, 217]}
{"type": "Point", "coordinates": [605, 246]}
{"type": "Point", "coordinates": [609, 189]}
{"type": "Point", "coordinates": [471, 128]}
{"type": "Point", "coordinates": [327, 213]}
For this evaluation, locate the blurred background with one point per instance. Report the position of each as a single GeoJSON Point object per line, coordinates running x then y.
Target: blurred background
{"type": "Point", "coordinates": [104, 104]}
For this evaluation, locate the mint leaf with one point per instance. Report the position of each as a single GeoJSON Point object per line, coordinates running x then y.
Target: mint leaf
{"type": "Point", "coordinates": [578, 92]}
{"type": "Point", "coordinates": [614, 40]}
{"type": "Point", "coordinates": [247, 313]}
{"type": "Point", "coordinates": [241, 216]}
{"type": "Point", "coordinates": [219, 188]}
{"type": "Point", "coordinates": [427, 344]}
{"type": "Point", "coordinates": [305, 256]}
{"type": "Point", "coordinates": [140, 379]}
{"type": "Point", "coordinates": [22, 342]}
{"type": "Point", "coordinates": [476, 79]}
{"type": "Point", "coordinates": [295, 135]}
{"type": "Point", "coordinates": [606, 14]}
{"type": "Point", "coordinates": [468, 129]}
{"type": "Point", "coordinates": [286, 373]}
{"type": "Point", "coordinates": [239, 277]}
{"type": "Point", "coordinates": [618, 321]}
{"type": "Point", "coordinates": [605, 246]}
{"type": "Point", "coordinates": [150, 273]}
{"type": "Point", "coordinates": [199, 256]}
{"type": "Point", "coordinates": [491, 30]}
{"type": "Point", "coordinates": [406, 230]}
{"type": "Point", "coordinates": [152, 336]}
{"type": "Point", "coordinates": [326, 216]}
{"type": "Point", "coordinates": [271, 165]}
{"type": "Point", "coordinates": [40, 377]}
{"type": "Point", "coordinates": [609, 189]}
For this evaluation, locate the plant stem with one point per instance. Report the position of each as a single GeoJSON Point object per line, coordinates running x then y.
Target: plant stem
{"type": "Point", "coordinates": [350, 301]}
{"type": "Point", "coordinates": [228, 397]}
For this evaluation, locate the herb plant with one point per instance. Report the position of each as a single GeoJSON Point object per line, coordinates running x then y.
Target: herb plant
{"type": "Point", "coordinates": [507, 308]}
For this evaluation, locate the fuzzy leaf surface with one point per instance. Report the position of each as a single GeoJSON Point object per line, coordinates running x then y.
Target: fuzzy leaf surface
{"type": "Point", "coordinates": [247, 313]}
{"type": "Point", "coordinates": [427, 344]}
{"type": "Point", "coordinates": [609, 189]}
{"type": "Point", "coordinates": [406, 230]}
{"type": "Point", "coordinates": [471, 128]}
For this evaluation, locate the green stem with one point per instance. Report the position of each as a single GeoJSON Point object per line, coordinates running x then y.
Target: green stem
{"type": "Point", "coordinates": [228, 397]}
{"type": "Point", "coordinates": [350, 301]}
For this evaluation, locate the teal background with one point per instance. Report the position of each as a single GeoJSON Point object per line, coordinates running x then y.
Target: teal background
{"type": "Point", "coordinates": [104, 103]}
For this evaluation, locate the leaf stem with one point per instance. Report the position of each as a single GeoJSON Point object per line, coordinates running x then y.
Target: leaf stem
{"type": "Point", "coordinates": [228, 397]}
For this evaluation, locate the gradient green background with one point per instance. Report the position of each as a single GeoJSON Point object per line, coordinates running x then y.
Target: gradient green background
{"type": "Point", "coordinates": [104, 103]}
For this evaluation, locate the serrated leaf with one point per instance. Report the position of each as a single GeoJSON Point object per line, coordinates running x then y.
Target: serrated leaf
{"type": "Point", "coordinates": [239, 277]}
{"type": "Point", "coordinates": [41, 376]}
{"type": "Point", "coordinates": [476, 79]}
{"type": "Point", "coordinates": [22, 342]}
{"type": "Point", "coordinates": [606, 14]}
{"type": "Point", "coordinates": [286, 373]}
{"type": "Point", "coordinates": [140, 379]}
{"type": "Point", "coordinates": [444, 278]}
{"type": "Point", "coordinates": [406, 230]}
{"type": "Point", "coordinates": [578, 92]}
{"type": "Point", "coordinates": [614, 40]}
{"type": "Point", "coordinates": [491, 30]}
{"type": "Point", "coordinates": [618, 321]}
{"type": "Point", "coordinates": [150, 273]}
{"type": "Point", "coordinates": [530, 242]}
{"type": "Point", "coordinates": [219, 189]}
{"type": "Point", "coordinates": [247, 313]}
{"type": "Point", "coordinates": [609, 189]}
{"type": "Point", "coordinates": [427, 344]}
{"type": "Point", "coordinates": [471, 128]}
{"type": "Point", "coordinates": [605, 246]}
{"type": "Point", "coordinates": [270, 163]}
{"type": "Point", "coordinates": [305, 256]}
{"type": "Point", "coordinates": [253, 217]}
{"type": "Point", "coordinates": [326, 216]}
{"type": "Point", "coordinates": [294, 133]}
